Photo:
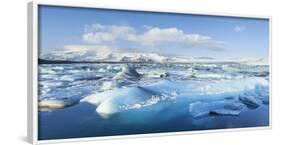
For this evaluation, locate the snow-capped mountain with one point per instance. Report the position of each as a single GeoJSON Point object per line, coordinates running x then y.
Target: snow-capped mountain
{"type": "Point", "coordinates": [255, 61]}
{"type": "Point", "coordinates": [105, 55]}
{"type": "Point", "coordinates": [88, 55]}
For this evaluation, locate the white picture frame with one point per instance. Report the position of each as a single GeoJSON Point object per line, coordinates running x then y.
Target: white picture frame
{"type": "Point", "coordinates": [32, 102]}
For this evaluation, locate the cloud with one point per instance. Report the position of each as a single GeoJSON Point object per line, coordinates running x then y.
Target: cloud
{"type": "Point", "coordinates": [152, 36]}
{"type": "Point", "coordinates": [97, 33]}
{"type": "Point", "coordinates": [110, 42]}
{"type": "Point", "coordinates": [239, 28]}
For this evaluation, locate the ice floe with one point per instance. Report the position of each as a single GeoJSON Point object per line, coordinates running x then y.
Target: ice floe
{"type": "Point", "coordinates": [53, 104]}
{"type": "Point", "coordinates": [202, 98]}
{"type": "Point", "coordinates": [249, 100]}
{"type": "Point", "coordinates": [224, 107]}
{"type": "Point", "coordinates": [110, 85]}
{"type": "Point", "coordinates": [128, 72]}
{"type": "Point", "coordinates": [140, 92]}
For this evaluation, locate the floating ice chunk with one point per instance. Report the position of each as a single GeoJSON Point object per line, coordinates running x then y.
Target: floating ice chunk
{"type": "Point", "coordinates": [128, 72]}
{"type": "Point", "coordinates": [110, 85]}
{"type": "Point", "coordinates": [190, 72]}
{"type": "Point", "coordinates": [144, 108]}
{"type": "Point", "coordinates": [102, 70]}
{"type": "Point", "coordinates": [51, 83]}
{"type": "Point", "coordinates": [130, 95]}
{"type": "Point", "coordinates": [224, 107]}
{"type": "Point", "coordinates": [164, 75]}
{"type": "Point", "coordinates": [58, 68]}
{"type": "Point", "coordinates": [80, 77]}
{"type": "Point", "coordinates": [46, 70]}
{"type": "Point", "coordinates": [213, 97]}
{"type": "Point", "coordinates": [262, 93]}
{"type": "Point", "coordinates": [112, 102]}
{"type": "Point", "coordinates": [150, 101]}
{"type": "Point", "coordinates": [107, 108]}
{"type": "Point", "coordinates": [112, 68]}
{"type": "Point", "coordinates": [120, 100]}
{"type": "Point", "coordinates": [109, 67]}
{"type": "Point", "coordinates": [156, 74]}
{"type": "Point", "coordinates": [45, 77]}
{"type": "Point", "coordinates": [199, 109]}
{"type": "Point", "coordinates": [53, 104]}
{"type": "Point", "coordinates": [212, 76]}
{"type": "Point", "coordinates": [250, 100]}
{"type": "Point", "coordinates": [74, 71]}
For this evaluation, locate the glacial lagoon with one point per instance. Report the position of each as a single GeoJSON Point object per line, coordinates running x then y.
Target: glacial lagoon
{"type": "Point", "coordinates": [107, 99]}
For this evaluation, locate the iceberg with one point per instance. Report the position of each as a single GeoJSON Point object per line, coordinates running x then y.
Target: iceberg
{"type": "Point", "coordinates": [110, 85]}
{"type": "Point", "coordinates": [128, 72]}
{"type": "Point", "coordinates": [262, 93]}
{"type": "Point", "coordinates": [224, 107]}
{"type": "Point", "coordinates": [202, 97]}
{"type": "Point", "coordinates": [156, 74]}
{"type": "Point", "coordinates": [164, 75]}
{"type": "Point", "coordinates": [249, 100]}
{"type": "Point", "coordinates": [79, 77]}
{"type": "Point", "coordinates": [53, 104]}
{"type": "Point", "coordinates": [102, 70]}
{"type": "Point", "coordinates": [111, 68]}
{"type": "Point", "coordinates": [108, 102]}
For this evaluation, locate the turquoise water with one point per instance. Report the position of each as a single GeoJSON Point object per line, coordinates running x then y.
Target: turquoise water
{"type": "Point", "coordinates": [162, 98]}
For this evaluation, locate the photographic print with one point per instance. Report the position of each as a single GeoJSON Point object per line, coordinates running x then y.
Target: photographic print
{"type": "Point", "coordinates": [106, 72]}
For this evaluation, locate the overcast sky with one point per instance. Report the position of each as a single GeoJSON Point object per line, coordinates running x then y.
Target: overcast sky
{"type": "Point", "coordinates": [166, 34]}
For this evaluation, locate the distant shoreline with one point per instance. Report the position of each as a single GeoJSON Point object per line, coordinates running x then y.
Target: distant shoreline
{"type": "Point", "coordinates": [44, 61]}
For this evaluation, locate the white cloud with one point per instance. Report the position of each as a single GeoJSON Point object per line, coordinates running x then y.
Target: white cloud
{"type": "Point", "coordinates": [104, 43]}
{"type": "Point", "coordinates": [97, 33]}
{"type": "Point", "coordinates": [156, 36]}
{"type": "Point", "coordinates": [239, 28]}
{"type": "Point", "coordinates": [152, 36]}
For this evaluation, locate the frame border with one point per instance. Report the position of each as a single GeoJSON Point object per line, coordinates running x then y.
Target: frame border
{"type": "Point", "coordinates": [32, 65]}
{"type": "Point", "coordinates": [32, 70]}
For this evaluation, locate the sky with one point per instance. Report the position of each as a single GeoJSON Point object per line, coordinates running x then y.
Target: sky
{"type": "Point", "coordinates": [101, 31]}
